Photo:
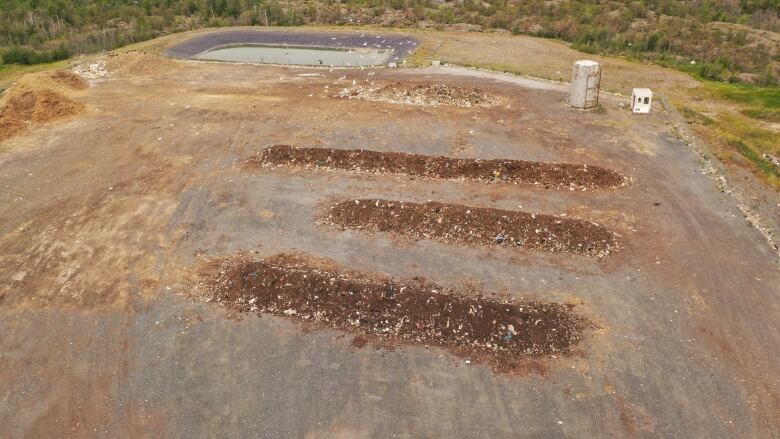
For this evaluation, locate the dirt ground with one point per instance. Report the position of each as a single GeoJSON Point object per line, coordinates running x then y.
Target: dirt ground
{"type": "Point", "coordinates": [106, 215]}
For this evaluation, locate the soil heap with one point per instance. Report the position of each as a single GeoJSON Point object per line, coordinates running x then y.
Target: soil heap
{"type": "Point", "coordinates": [39, 98]}
{"type": "Point", "coordinates": [431, 95]}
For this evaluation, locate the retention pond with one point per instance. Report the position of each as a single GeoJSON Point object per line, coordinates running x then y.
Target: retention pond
{"type": "Point", "coordinates": [297, 55]}
{"type": "Point", "coordinates": [339, 49]}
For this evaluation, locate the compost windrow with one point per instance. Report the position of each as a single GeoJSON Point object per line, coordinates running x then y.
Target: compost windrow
{"type": "Point", "coordinates": [432, 95]}
{"type": "Point", "coordinates": [540, 174]}
{"type": "Point", "coordinates": [498, 332]}
{"type": "Point", "coordinates": [455, 223]}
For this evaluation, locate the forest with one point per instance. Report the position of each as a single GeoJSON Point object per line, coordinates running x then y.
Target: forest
{"type": "Point", "coordinates": [722, 40]}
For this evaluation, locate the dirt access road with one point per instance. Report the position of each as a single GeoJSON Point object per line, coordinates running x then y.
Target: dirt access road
{"type": "Point", "coordinates": [103, 217]}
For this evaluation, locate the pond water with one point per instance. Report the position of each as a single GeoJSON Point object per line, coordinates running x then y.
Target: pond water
{"type": "Point", "coordinates": [302, 56]}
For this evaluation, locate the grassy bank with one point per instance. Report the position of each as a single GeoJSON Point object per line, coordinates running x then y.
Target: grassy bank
{"type": "Point", "coordinates": [9, 73]}
{"type": "Point", "coordinates": [739, 122]}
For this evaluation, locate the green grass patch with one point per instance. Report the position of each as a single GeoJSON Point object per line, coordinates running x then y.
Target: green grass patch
{"type": "Point", "coordinates": [420, 57]}
{"type": "Point", "coordinates": [762, 98]}
{"type": "Point", "coordinates": [27, 56]}
{"type": "Point", "coordinates": [739, 138]}
{"type": "Point", "coordinates": [764, 165]}
{"type": "Point", "coordinates": [763, 114]}
{"type": "Point", "coordinates": [696, 116]}
{"type": "Point", "coordinates": [751, 142]}
{"type": "Point", "coordinates": [747, 130]}
{"type": "Point", "coordinates": [743, 128]}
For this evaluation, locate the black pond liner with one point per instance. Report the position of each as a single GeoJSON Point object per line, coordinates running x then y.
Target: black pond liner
{"type": "Point", "coordinates": [400, 45]}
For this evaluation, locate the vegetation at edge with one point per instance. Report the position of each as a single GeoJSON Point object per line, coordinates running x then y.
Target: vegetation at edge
{"type": "Point", "coordinates": [722, 40]}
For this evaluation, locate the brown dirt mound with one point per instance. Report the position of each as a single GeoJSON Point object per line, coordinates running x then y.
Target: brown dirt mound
{"type": "Point", "coordinates": [139, 63]}
{"type": "Point", "coordinates": [432, 95]}
{"type": "Point", "coordinates": [545, 175]}
{"type": "Point", "coordinates": [498, 332]}
{"type": "Point", "coordinates": [69, 79]}
{"type": "Point", "coordinates": [454, 223]}
{"type": "Point", "coordinates": [10, 127]}
{"type": "Point", "coordinates": [27, 106]}
{"type": "Point", "coordinates": [40, 106]}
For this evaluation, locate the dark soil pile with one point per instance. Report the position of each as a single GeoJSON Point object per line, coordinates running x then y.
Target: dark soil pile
{"type": "Point", "coordinates": [393, 312]}
{"type": "Point", "coordinates": [546, 175]}
{"type": "Point", "coordinates": [432, 95]}
{"type": "Point", "coordinates": [69, 79]}
{"type": "Point", "coordinates": [454, 223]}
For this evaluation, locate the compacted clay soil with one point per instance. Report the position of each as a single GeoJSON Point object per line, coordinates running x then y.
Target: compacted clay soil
{"type": "Point", "coordinates": [390, 312]}
{"type": "Point", "coordinates": [546, 175]}
{"type": "Point", "coordinates": [455, 223]}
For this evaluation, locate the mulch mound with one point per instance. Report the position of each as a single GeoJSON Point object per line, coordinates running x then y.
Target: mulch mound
{"type": "Point", "coordinates": [27, 106]}
{"type": "Point", "coordinates": [544, 175]}
{"type": "Point", "coordinates": [139, 63]}
{"type": "Point", "coordinates": [497, 332]}
{"type": "Point", "coordinates": [432, 95]}
{"type": "Point", "coordinates": [454, 223]}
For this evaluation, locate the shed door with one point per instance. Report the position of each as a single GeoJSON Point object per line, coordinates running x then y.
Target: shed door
{"type": "Point", "coordinates": [592, 92]}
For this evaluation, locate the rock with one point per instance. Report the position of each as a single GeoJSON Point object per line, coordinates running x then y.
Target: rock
{"type": "Point", "coordinates": [465, 27]}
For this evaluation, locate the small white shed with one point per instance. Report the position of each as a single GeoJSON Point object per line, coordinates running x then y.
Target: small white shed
{"type": "Point", "coordinates": [641, 99]}
{"type": "Point", "coordinates": [585, 83]}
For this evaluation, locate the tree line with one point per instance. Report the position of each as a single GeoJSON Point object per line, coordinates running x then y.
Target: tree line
{"type": "Point", "coordinates": [670, 32]}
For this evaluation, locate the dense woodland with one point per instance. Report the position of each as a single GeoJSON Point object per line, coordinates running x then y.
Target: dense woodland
{"type": "Point", "coordinates": [727, 40]}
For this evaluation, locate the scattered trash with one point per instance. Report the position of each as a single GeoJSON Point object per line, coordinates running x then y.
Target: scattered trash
{"type": "Point", "coordinates": [773, 159]}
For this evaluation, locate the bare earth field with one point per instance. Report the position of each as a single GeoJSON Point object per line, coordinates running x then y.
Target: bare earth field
{"type": "Point", "coordinates": [107, 218]}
